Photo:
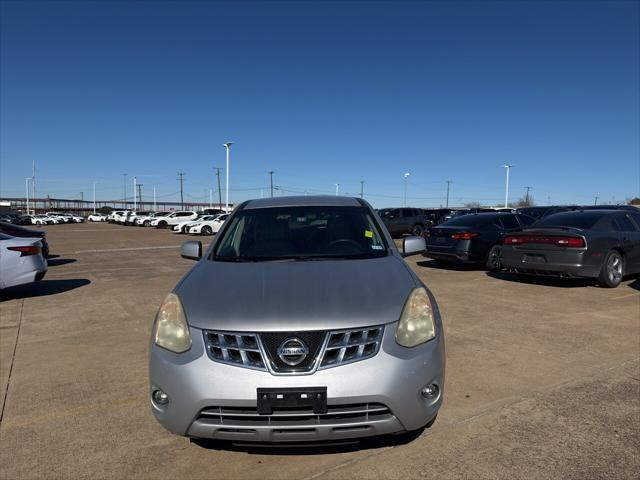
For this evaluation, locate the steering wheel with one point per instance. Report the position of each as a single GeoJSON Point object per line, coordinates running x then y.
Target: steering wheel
{"type": "Point", "coordinates": [346, 241]}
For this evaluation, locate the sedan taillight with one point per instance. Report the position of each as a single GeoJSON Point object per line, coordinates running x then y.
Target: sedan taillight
{"type": "Point", "coordinates": [26, 251]}
{"type": "Point", "coordinates": [464, 236]}
{"type": "Point", "coordinates": [570, 242]}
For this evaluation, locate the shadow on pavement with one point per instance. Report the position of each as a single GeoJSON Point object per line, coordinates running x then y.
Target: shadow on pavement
{"type": "Point", "coordinates": [318, 448]}
{"type": "Point", "coordinates": [59, 261]}
{"type": "Point", "coordinates": [547, 281]}
{"type": "Point", "coordinates": [42, 288]}
{"type": "Point", "coordinates": [635, 284]}
{"type": "Point", "coordinates": [453, 266]}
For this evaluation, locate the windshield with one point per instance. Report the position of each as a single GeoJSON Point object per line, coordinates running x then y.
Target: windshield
{"type": "Point", "coordinates": [312, 232]}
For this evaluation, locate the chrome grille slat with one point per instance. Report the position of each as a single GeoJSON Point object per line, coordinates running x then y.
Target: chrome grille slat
{"type": "Point", "coordinates": [339, 414]}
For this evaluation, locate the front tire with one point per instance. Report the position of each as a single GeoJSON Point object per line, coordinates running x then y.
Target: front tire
{"type": "Point", "coordinates": [162, 224]}
{"type": "Point", "coordinates": [612, 270]}
{"type": "Point", "coordinates": [146, 223]}
{"type": "Point", "coordinates": [494, 259]}
{"type": "Point", "coordinates": [417, 230]}
{"type": "Point", "coordinates": [207, 230]}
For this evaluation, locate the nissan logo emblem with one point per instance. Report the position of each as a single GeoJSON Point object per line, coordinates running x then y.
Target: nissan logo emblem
{"type": "Point", "coordinates": [292, 351]}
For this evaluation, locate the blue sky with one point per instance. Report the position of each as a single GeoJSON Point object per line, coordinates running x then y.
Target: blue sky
{"type": "Point", "coordinates": [323, 93]}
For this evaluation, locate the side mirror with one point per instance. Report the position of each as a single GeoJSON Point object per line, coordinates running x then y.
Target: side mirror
{"type": "Point", "coordinates": [191, 250]}
{"type": "Point", "coordinates": [413, 246]}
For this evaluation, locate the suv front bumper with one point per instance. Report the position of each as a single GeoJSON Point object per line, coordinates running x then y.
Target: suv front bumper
{"type": "Point", "coordinates": [384, 390]}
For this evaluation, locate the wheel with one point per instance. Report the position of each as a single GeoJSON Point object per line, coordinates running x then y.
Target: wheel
{"type": "Point", "coordinates": [146, 223]}
{"type": "Point", "coordinates": [494, 259]}
{"type": "Point", "coordinates": [417, 230]}
{"type": "Point", "coordinates": [162, 224]}
{"type": "Point", "coordinates": [207, 230]}
{"type": "Point", "coordinates": [612, 270]}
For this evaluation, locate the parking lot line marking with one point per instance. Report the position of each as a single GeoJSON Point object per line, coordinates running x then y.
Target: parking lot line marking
{"type": "Point", "coordinates": [127, 249]}
{"type": "Point", "coordinates": [13, 356]}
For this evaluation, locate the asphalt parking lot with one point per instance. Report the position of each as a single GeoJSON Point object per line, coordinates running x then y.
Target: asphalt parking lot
{"type": "Point", "coordinates": [543, 377]}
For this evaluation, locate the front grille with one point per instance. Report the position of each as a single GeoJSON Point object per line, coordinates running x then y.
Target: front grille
{"type": "Point", "coordinates": [238, 417]}
{"type": "Point", "coordinates": [240, 349]}
{"type": "Point", "coordinates": [351, 346]}
{"type": "Point", "coordinates": [259, 351]}
{"type": "Point", "coordinates": [313, 340]}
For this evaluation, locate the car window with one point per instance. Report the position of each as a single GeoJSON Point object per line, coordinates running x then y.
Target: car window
{"type": "Point", "coordinates": [576, 219]}
{"type": "Point", "coordinates": [625, 224]}
{"type": "Point", "coordinates": [526, 220]}
{"type": "Point", "coordinates": [509, 222]}
{"type": "Point", "coordinates": [635, 216]}
{"type": "Point", "coordinates": [299, 233]}
{"type": "Point", "coordinates": [407, 212]}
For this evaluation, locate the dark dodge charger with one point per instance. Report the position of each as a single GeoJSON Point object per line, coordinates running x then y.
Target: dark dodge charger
{"type": "Point", "coordinates": [602, 244]}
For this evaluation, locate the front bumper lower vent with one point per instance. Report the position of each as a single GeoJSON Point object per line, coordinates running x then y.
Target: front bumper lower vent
{"type": "Point", "coordinates": [259, 351]}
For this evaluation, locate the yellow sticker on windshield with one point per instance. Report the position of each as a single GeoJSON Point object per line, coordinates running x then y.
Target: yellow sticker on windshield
{"type": "Point", "coordinates": [368, 233]}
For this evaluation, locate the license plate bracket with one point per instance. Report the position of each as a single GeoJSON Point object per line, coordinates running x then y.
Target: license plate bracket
{"type": "Point", "coordinates": [314, 397]}
{"type": "Point", "coordinates": [533, 258]}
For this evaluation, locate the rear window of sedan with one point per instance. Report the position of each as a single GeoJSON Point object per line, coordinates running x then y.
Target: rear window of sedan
{"type": "Point", "coordinates": [583, 220]}
{"type": "Point", "coordinates": [471, 220]}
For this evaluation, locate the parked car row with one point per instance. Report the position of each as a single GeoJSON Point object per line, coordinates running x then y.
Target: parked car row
{"type": "Point", "coordinates": [181, 221]}
{"type": "Point", "coordinates": [49, 218]}
{"type": "Point", "coordinates": [566, 242]}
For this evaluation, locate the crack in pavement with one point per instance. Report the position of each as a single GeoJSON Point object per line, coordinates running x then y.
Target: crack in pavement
{"type": "Point", "coordinates": [13, 356]}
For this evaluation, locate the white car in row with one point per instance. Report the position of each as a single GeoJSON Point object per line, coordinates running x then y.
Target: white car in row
{"type": "Point", "coordinates": [208, 227]}
{"type": "Point", "coordinates": [183, 227]}
{"type": "Point", "coordinates": [97, 217]}
{"type": "Point", "coordinates": [174, 218]}
{"type": "Point", "coordinates": [146, 221]}
{"type": "Point", "coordinates": [21, 260]}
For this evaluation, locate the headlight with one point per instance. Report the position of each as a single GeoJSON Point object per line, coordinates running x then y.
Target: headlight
{"type": "Point", "coordinates": [171, 330]}
{"type": "Point", "coordinates": [416, 324]}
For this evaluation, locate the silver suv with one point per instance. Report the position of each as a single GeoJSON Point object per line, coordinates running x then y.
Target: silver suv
{"type": "Point", "coordinates": [301, 322]}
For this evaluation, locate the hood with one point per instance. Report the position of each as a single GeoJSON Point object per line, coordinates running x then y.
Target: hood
{"type": "Point", "coordinates": [295, 295]}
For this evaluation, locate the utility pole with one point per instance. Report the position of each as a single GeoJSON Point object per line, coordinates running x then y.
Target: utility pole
{"type": "Point", "coordinates": [33, 186]}
{"type": "Point", "coordinates": [219, 191]}
{"type": "Point", "coordinates": [361, 188]}
{"type": "Point", "coordinates": [135, 195]}
{"type": "Point", "coordinates": [154, 198]}
{"type": "Point", "coordinates": [181, 194]}
{"type": "Point", "coordinates": [271, 172]}
{"type": "Point", "coordinates": [227, 146]}
{"type": "Point", "coordinates": [506, 193]}
{"type": "Point", "coordinates": [596, 200]}
{"type": "Point", "coordinates": [526, 197]}
{"type": "Point", "coordinates": [140, 185]}
{"type": "Point", "coordinates": [448, 184]}
{"type": "Point", "coordinates": [210, 197]}
{"type": "Point", "coordinates": [94, 198]}
{"type": "Point", "coordinates": [124, 197]}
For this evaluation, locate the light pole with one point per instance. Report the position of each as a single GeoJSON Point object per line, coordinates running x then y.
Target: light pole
{"type": "Point", "coordinates": [135, 195]}
{"type": "Point", "coordinates": [361, 188]}
{"type": "Point", "coordinates": [227, 146]}
{"type": "Point", "coordinates": [271, 172]}
{"type": "Point", "coordinates": [337, 189]}
{"type": "Point", "coordinates": [406, 178]}
{"type": "Point", "coordinates": [506, 192]}
{"type": "Point", "coordinates": [27, 185]}
{"type": "Point", "coordinates": [448, 184]}
{"type": "Point", "coordinates": [154, 198]}
{"type": "Point", "coordinates": [124, 198]}
{"type": "Point", "coordinates": [94, 198]}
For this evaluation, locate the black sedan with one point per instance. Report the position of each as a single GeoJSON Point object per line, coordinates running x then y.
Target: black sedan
{"type": "Point", "coordinates": [17, 231]}
{"type": "Point", "coordinates": [602, 244]}
{"type": "Point", "coordinates": [473, 238]}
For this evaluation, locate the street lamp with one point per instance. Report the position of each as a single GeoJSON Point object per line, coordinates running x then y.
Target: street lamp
{"type": "Point", "coordinates": [506, 193]}
{"type": "Point", "coordinates": [406, 178]}
{"type": "Point", "coordinates": [227, 146]}
{"type": "Point", "coordinates": [94, 198]}
{"type": "Point", "coordinates": [27, 185]}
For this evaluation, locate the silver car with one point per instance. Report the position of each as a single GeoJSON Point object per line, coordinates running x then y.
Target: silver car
{"type": "Point", "coordinates": [301, 322]}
